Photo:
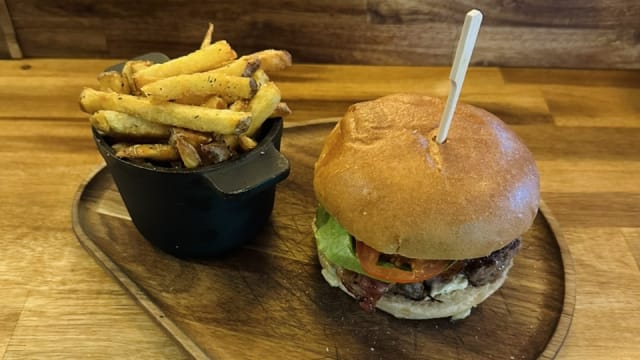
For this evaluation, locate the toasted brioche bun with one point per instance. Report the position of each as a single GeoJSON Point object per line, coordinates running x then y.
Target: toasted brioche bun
{"type": "Point", "coordinates": [456, 304]}
{"type": "Point", "coordinates": [385, 179]}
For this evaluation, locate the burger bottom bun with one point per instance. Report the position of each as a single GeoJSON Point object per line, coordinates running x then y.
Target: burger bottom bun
{"type": "Point", "coordinates": [456, 304]}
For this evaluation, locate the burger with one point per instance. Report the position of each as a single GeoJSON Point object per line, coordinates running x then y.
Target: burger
{"type": "Point", "coordinates": [416, 228]}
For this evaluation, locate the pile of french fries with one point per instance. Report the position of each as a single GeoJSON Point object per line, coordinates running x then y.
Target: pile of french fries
{"type": "Point", "coordinates": [199, 109]}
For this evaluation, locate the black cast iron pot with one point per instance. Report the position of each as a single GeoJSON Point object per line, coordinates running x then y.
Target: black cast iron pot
{"type": "Point", "coordinates": [206, 211]}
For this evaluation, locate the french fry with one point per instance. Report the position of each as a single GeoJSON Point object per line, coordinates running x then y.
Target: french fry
{"type": "Point", "coordinates": [201, 108]}
{"type": "Point", "coordinates": [159, 152]}
{"type": "Point", "coordinates": [239, 105]}
{"type": "Point", "coordinates": [201, 84]}
{"type": "Point", "coordinates": [267, 60]}
{"type": "Point", "coordinates": [271, 60]}
{"type": "Point", "coordinates": [281, 110]}
{"type": "Point", "coordinates": [187, 116]}
{"type": "Point", "coordinates": [121, 125]}
{"type": "Point", "coordinates": [194, 138]}
{"type": "Point", "coordinates": [188, 153]}
{"type": "Point", "coordinates": [129, 69]}
{"type": "Point", "coordinates": [200, 60]}
{"type": "Point", "coordinates": [247, 143]}
{"type": "Point", "coordinates": [188, 99]}
{"type": "Point", "coordinates": [207, 37]}
{"type": "Point", "coordinates": [261, 77]}
{"type": "Point", "coordinates": [262, 106]}
{"type": "Point", "coordinates": [113, 81]}
{"type": "Point", "coordinates": [215, 102]}
{"type": "Point", "coordinates": [119, 146]}
{"type": "Point", "coordinates": [252, 66]}
{"type": "Point", "coordinates": [240, 67]}
{"type": "Point", "coordinates": [210, 101]}
{"type": "Point", "coordinates": [215, 152]}
{"type": "Point", "coordinates": [232, 141]}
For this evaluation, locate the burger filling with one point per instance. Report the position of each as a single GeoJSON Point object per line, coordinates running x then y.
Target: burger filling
{"type": "Point", "coordinates": [368, 274]}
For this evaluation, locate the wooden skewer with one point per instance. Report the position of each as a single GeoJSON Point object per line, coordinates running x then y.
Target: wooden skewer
{"type": "Point", "coordinates": [467, 41]}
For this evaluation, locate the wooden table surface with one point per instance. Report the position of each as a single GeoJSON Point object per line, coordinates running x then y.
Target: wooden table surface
{"type": "Point", "coordinates": [582, 126]}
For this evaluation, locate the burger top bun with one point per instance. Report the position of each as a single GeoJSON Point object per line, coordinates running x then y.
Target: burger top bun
{"type": "Point", "coordinates": [382, 175]}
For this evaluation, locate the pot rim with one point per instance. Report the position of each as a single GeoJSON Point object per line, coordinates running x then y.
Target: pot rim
{"type": "Point", "coordinates": [268, 139]}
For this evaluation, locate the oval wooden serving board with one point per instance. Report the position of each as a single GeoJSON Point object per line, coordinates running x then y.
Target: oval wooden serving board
{"type": "Point", "coordinates": [269, 301]}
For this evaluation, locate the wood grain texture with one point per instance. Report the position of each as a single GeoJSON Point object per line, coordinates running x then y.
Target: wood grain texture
{"type": "Point", "coordinates": [6, 30]}
{"type": "Point", "coordinates": [216, 304]}
{"type": "Point", "coordinates": [570, 34]}
{"type": "Point", "coordinates": [10, 44]}
{"type": "Point", "coordinates": [56, 302]}
{"type": "Point", "coordinates": [101, 220]}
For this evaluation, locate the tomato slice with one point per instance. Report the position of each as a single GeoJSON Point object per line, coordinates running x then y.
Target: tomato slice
{"type": "Point", "coordinates": [420, 269]}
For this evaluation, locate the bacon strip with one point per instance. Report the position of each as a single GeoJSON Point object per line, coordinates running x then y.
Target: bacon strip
{"type": "Point", "coordinates": [479, 271]}
{"type": "Point", "coordinates": [365, 289]}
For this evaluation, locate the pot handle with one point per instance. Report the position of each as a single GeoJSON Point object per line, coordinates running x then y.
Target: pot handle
{"type": "Point", "coordinates": [265, 168]}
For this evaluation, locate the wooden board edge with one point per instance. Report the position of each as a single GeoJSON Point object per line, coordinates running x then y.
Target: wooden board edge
{"type": "Point", "coordinates": [550, 351]}
{"type": "Point", "coordinates": [569, 302]}
{"type": "Point", "coordinates": [295, 124]}
{"type": "Point", "coordinates": [189, 346]}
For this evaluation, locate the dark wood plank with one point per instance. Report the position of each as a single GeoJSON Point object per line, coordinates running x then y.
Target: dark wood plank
{"type": "Point", "coordinates": [5, 23]}
{"type": "Point", "coordinates": [568, 34]}
{"type": "Point", "coordinates": [4, 50]}
{"type": "Point", "coordinates": [9, 47]}
{"type": "Point", "coordinates": [545, 13]}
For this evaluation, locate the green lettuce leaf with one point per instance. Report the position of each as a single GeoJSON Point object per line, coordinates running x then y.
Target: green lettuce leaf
{"type": "Point", "coordinates": [334, 242]}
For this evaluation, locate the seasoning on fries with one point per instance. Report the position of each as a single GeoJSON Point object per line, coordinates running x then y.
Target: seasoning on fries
{"type": "Point", "coordinates": [187, 116]}
{"type": "Point", "coordinates": [205, 59]}
{"type": "Point", "coordinates": [159, 152]}
{"type": "Point", "coordinates": [121, 125]}
{"type": "Point", "coordinates": [207, 37]}
{"type": "Point", "coordinates": [262, 106]}
{"type": "Point", "coordinates": [201, 84]}
{"type": "Point", "coordinates": [198, 109]}
{"type": "Point", "coordinates": [113, 81]}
